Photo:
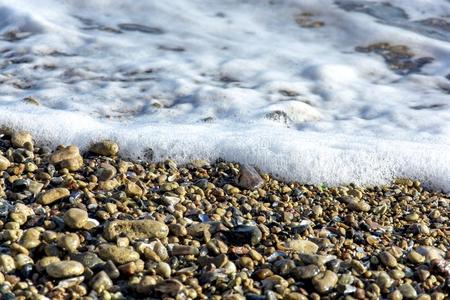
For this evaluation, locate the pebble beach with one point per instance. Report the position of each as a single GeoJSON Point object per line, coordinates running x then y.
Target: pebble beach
{"type": "Point", "coordinates": [94, 225]}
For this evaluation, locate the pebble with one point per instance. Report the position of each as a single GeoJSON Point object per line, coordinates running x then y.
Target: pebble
{"type": "Point", "coordinates": [105, 148]}
{"type": "Point", "coordinates": [302, 246]}
{"type": "Point", "coordinates": [75, 218]}
{"type": "Point", "coordinates": [67, 157]}
{"type": "Point", "coordinates": [305, 272]}
{"type": "Point", "coordinates": [63, 269]}
{"type": "Point", "coordinates": [249, 178]}
{"type": "Point", "coordinates": [244, 234]}
{"type": "Point", "coordinates": [135, 229]}
{"type": "Point", "coordinates": [19, 139]}
{"type": "Point", "coordinates": [101, 282]}
{"type": "Point", "coordinates": [415, 257]}
{"type": "Point", "coordinates": [324, 282]}
{"type": "Point", "coordinates": [388, 259]}
{"type": "Point", "coordinates": [119, 255]}
{"type": "Point", "coordinates": [408, 291]}
{"type": "Point", "coordinates": [31, 238]}
{"type": "Point", "coordinates": [4, 163]}
{"type": "Point", "coordinates": [53, 195]}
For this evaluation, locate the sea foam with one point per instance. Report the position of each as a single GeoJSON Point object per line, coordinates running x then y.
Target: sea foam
{"type": "Point", "coordinates": [317, 91]}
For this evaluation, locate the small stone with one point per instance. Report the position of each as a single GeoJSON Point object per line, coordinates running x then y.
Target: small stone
{"type": "Point", "coordinates": [45, 261]}
{"type": "Point", "coordinates": [105, 148]}
{"type": "Point", "coordinates": [106, 172]}
{"type": "Point", "coordinates": [7, 264]}
{"type": "Point", "coordinates": [163, 269]}
{"type": "Point", "coordinates": [324, 282]}
{"type": "Point", "coordinates": [31, 238]}
{"type": "Point", "coordinates": [135, 229]}
{"type": "Point", "coordinates": [359, 205]}
{"type": "Point", "coordinates": [19, 139]}
{"type": "Point", "coordinates": [67, 157]}
{"type": "Point", "coordinates": [71, 282]}
{"type": "Point", "coordinates": [132, 189]}
{"type": "Point", "coordinates": [4, 163]}
{"type": "Point", "coordinates": [244, 234]}
{"type": "Point", "coordinates": [101, 282]}
{"type": "Point", "coordinates": [69, 242]}
{"type": "Point", "coordinates": [388, 259]}
{"type": "Point", "coordinates": [302, 246]}
{"type": "Point", "coordinates": [408, 291]}
{"type": "Point", "coordinates": [430, 253]}
{"type": "Point", "coordinates": [184, 250]}
{"type": "Point", "coordinates": [305, 272]}
{"type": "Point", "coordinates": [119, 255]}
{"type": "Point", "coordinates": [415, 257]}
{"type": "Point", "coordinates": [75, 218]}
{"type": "Point", "coordinates": [249, 178]}
{"type": "Point", "coordinates": [63, 269]}
{"type": "Point", "coordinates": [412, 217]}
{"type": "Point", "coordinates": [22, 260]}
{"type": "Point", "coordinates": [169, 286]}
{"type": "Point", "coordinates": [263, 273]}
{"type": "Point", "coordinates": [53, 195]}
{"type": "Point", "coordinates": [88, 259]}
{"type": "Point", "coordinates": [178, 230]}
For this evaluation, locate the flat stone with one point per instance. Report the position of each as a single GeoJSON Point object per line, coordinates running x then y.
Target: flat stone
{"type": "Point", "coordinates": [119, 255]}
{"type": "Point", "coordinates": [305, 272]}
{"type": "Point", "coordinates": [53, 195]}
{"type": "Point", "coordinates": [68, 157]}
{"type": "Point", "coordinates": [63, 269]}
{"type": "Point", "coordinates": [249, 178]}
{"type": "Point", "coordinates": [88, 259]}
{"type": "Point", "coordinates": [135, 229]}
{"type": "Point", "coordinates": [302, 246]}
{"type": "Point", "coordinates": [244, 234]}
{"type": "Point", "coordinates": [4, 163]}
{"type": "Point", "coordinates": [105, 148]}
{"type": "Point", "coordinates": [75, 218]}
{"type": "Point", "coordinates": [325, 282]}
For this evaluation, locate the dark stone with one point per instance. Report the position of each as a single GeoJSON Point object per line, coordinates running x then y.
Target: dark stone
{"type": "Point", "coordinates": [244, 234]}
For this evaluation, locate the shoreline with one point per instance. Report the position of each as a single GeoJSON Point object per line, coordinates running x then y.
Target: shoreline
{"type": "Point", "coordinates": [96, 225]}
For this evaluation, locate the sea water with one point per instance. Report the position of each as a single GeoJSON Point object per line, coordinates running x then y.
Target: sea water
{"type": "Point", "coordinates": [318, 91]}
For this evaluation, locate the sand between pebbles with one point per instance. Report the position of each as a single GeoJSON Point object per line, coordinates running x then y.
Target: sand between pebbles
{"type": "Point", "coordinates": [93, 225]}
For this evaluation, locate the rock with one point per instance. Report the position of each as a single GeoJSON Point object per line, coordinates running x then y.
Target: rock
{"type": "Point", "coordinates": [325, 282]}
{"type": "Point", "coordinates": [305, 272]}
{"type": "Point", "coordinates": [359, 205]}
{"type": "Point", "coordinates": [7, 263]}
{"type": "Point", "coordinates": [75, 218]}
{"type": "Point", "coordinates": [388, 259]}
{"type": "Point", "coordinates": [184, 250]}
{"type": "Point", "coordinates": [69, 242]}
{"type": "Point", "coordinates": [415, 257]}
{"type": "Point", "coordinates": [63, 269]}
{"type": "Point", "coordinates": [302, 246]}
{"type": "Point", "coordinates": [35, 187]}
{"type": "Point", "coordinates": [408, 291]}
{"type": "Point", "coordinates": [244, 234]}
{"type": "Point", "coordinates": [106, 172]}
{"type": "Point", "coordinates": [101, 282]}
{"type": "Point", "coordinates": [177, 230]}
{"type": "Point", "coordinates": [146, 284]}
{"type": "Point", "coordinates": [71, 282]}
{"type": "Point", "coordinates": [170, 287]}
{"type": "Point", "coordinates": [19, 139]}
{"type": "Point", "coordinates": [119, 255]}
{"type": "Point", "coordinates": [88, 259]}
{"type": "Point", "coordinates": [31, 238]}
{"type": "Point", "coordinates": [430, 253]}
{"type": "Point", "coordinates": [53, 195]}
{"type": "Point", "coordinates": [262, 273]}
{"type": "Point", "coordinates": [136, 229]}
{"type": "Point", "coordinates": [105, 148]}
{"type": "Point", "coordinates": [132, 189]}
{"type": "Point", "coordinates": [163, 269]}
{"type": "Point", "coordinates": [249, 178]}
{"type": "Point", "coordinates": [67, 157]}
{"type": "Point", "coordinates": [4, 163]}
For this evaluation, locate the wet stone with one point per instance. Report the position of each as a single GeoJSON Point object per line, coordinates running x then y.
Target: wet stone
{"type": "Point", "coordinates": [249, 178]}
{"type": "Point", "coordinates": [105, 148]}
{"type": "Point", "coordinates": [244, 234]}
{"type": "Point", "coordinates": [67, 157]}
{"type": "Point", "coordinates": [325, 282]}
{"type": "Point", "coordinates": [305, 272]}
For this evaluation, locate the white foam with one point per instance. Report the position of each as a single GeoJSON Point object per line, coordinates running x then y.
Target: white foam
{"type": "Point", "coordinates": [298, 102]}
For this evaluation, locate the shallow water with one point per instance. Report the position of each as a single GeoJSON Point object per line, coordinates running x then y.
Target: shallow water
{"type": "Point", "coordinates": [318, 91]}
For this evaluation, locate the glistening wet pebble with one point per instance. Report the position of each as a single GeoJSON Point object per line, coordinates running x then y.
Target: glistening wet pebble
{"type": "Point", "coordinates": [97, 226]}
